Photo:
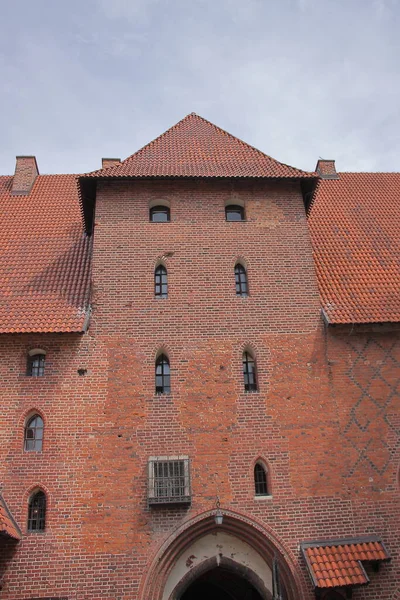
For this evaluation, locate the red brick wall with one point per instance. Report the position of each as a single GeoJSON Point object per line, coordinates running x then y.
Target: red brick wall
{"type": "Point", "coordinates": [102, 427]}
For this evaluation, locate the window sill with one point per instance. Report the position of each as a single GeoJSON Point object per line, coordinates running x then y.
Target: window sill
{"type": "Point", "coordinates": [261, 498]}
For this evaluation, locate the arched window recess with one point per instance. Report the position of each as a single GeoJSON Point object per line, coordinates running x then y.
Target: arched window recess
{"type": "Point", "coordinates": [260, 480]}
{"type": "Point", "coordinates": [249, 372]}
{"type": "Point", "coordinates": [160, 214]}
{"type": "Point", "coordinates": [242, 288]}
{"type": "Point", "coordinates": [37, 511]}
{"type": "Point", "coordinates": [234, 212]}
{"type": "Point", "coordinates": [160, 282]}
{"type": "Point", "coordinates": [163, 375]}
{"type": "Point", "coordinates": [33, 436]}
{"type": "Point", "coordinates": [35, 363]}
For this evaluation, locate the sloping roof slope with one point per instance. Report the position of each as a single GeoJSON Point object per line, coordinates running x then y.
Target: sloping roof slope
{"type": "Point", "coordinates": [195, 147]}
{"type": "Point", "coordinates": [355, 231]}
{"type": "Point", "coordinates": [8, 526]}
{"type": "Point", "coordinates": [44, 257]}
{"type": "Point", "coordinates": [337, 563]}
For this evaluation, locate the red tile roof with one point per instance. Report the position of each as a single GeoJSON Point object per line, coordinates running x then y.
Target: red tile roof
{"type": "Point", "coordinates": [195, 147]}
{"type": "Point", "coordinates": [355, 231]}
{"type": "Point", "coordinates": [337, 563]}
{"type": "Point", "coordinates": [45, 257]}
{"type": "Point", "coordinates": [8, 526]}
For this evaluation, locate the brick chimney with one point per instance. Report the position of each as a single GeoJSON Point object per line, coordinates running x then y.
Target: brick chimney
{"type": "Point", "coordinates": [26, 171]}
{"type": "Point", "coordinates": [326, 169]}
{"type": "Point", "coordinates": [109, 162]}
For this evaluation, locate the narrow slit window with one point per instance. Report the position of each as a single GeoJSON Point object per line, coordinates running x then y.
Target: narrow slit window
{"type": "Point", "coordinates": [249, 373]}
{"type": "Point", "coordinates": [161, 282]}
{"type": "Point", "coordinates": [35, 364]}
{"type": "Point", "coordinates": [241, 280]}
{"type": "Point", "coordinates": [160, 214]}
{"type": "Point", "coordinates": [260, 481]}
{"type": "Point", "coordinates": [34, 434]}
{"type": "Point", "coordinates": [163, 375]}
{"type": "Point", "coordinates": [37, 512]}
{"type": "Point", "coordinates": [234, 212]}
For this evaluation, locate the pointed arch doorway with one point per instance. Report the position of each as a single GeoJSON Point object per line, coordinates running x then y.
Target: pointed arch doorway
{"type": "Point", "coordinates": [232, 561]}
{"type": "Point", "coordinates": [226, 580]}
{"type": "Point", "coordinates": [221, 584]}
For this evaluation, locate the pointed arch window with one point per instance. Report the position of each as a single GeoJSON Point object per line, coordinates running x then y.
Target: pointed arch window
{"type": "Point", "coordinates": [37, 512]}
{"type": "Point", "coordinates": [163, 375]}
{"type": "Point", "coordinates": [249, 372]}
{"type": "Point", "coordinates": [35, 363]}
{"type": "Point", "coordinates": [241, 280]}
{"type": "Point", "coordinates": [260, 480]}
{"type": "Point", "coordinates": [161, 282]}
{"type": "Point", "coordinates": [34, 434]}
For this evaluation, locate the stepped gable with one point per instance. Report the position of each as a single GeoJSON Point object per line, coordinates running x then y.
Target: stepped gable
{"type": "Point", "coordinates": [45, 257]}
{"type": "Point", "coordinates": [194, 147]}
{"type": "Point", "coordinates": [355, 230]}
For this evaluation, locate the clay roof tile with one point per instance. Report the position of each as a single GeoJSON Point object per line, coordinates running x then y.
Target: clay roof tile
{"type": "Point", "coordinates": [355, 231]}
{"type": "Point", "coordinates": [45, 260]}
{"type": "Point", "coordinates": [336, 563]}
{"type": "Point", "coordinates": [194, 147]}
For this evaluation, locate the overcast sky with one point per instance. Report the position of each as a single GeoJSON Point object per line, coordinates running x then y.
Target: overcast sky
{"type": "Point", "coordinates": [298, 79]}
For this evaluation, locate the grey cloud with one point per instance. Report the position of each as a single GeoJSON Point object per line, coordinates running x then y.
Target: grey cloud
{"type": "Point", "coordinates": [295, 78]}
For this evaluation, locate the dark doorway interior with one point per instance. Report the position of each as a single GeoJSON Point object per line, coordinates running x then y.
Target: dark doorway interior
{"type": "Point", "coordinates": [221, 584]}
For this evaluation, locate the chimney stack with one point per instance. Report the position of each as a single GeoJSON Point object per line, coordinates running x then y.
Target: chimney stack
{"type": "Point", "coordinates": [109, 162]}
{"type": "Point", "coordinates": [326, 169]}
{"type": "Point", "coordinates": [26, 171]}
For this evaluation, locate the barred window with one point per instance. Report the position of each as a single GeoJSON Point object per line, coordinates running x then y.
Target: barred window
{"type": "Point", "coordinates": [160, 214]}
{"type": "Point", "coordinates": [37, 512]}
{"type": "Point", "coordinates": [234, 212]}
{"type": "Point", "coordinates": [35, 363]}
{"type": "Point", "coordinates": [163, 376]}
{"type": "Point", "coordinates": [241, 280]}
{"type": "Point", "coordinates": [34, 434]}
{"type": "Point", "coordinates": [249, 373]}
{"type": "Point", "coordinates": [169, 480]}
{"type": "Point", "coordinates": [260, 480]}
{"type": "Point", "coordinates": [160, 282]}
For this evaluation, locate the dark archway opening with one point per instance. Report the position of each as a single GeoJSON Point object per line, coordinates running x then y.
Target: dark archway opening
{"type": "Point", "coordinates": [221, 584]}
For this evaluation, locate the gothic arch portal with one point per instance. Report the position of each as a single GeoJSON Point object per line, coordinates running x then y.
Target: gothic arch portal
{"type": "Point", "coordinates": [241, 546]}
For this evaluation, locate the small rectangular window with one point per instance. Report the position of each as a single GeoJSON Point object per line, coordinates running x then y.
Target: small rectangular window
{"type": "Point", "coordinates": [169, 480]}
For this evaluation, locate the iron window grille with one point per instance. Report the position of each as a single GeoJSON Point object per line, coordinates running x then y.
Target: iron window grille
{"type": "Point", "coordinates": [161, 282]}
{"type": "Point", "coordinates": [163, 375]}
{"type": "Point", "coordinates": [169, 480]}
{"type": "Point", "coordinates": [35, 365]}
{"type": "Point", "coordinates": [241, 280]}
{"type": "Point", "coordinates": [34, 434]}
{"type": "Point", "coordinates": [234, 212]}
{"type": "Point", "coordinates": [260, 481]}
{"type": "Point", "coordinates": [249, 373]}
{"type": "Point", "coordinates": [37, 512]}
{"type": "Point", "coordinates": [160, 214]}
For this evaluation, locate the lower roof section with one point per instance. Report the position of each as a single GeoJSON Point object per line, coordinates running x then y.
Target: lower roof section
{"type": "Point", "coordinates": [45, 258]}
{"type": "Point", "coordinates": [354, 223]}
{"type": "Point", "coordinates": [8, 526]}
{"type": "Point", "coordinates": [338, 562]}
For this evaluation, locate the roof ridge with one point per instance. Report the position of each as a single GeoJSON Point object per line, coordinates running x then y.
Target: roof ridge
{"type": "Point", "coordinates": [368, 173]}
{"type": "Point", "coordinates": [216, 127]}
{"type": "Point", "coordinates": [235, 137]}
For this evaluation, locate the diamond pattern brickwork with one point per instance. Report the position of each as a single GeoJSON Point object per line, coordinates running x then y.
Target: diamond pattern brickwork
{"type": "Point", "coordinates": [371, 428]}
